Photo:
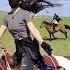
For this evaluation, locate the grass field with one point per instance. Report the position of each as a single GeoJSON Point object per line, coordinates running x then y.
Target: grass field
{"type": "Point", "coordinates": [60, 46]}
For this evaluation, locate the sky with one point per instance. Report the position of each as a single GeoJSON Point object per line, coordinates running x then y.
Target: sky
{"type": "Point", "coordinates": [63, 10]}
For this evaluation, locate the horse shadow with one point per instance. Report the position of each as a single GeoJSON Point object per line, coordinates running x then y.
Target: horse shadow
{"type": "Point", "coordinates": [53, 28]}
{"type": "Point", "coordinates": [45, 38]}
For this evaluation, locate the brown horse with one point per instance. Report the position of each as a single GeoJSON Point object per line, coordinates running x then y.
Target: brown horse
{"type": "Point", "coordinates": [52, 28]}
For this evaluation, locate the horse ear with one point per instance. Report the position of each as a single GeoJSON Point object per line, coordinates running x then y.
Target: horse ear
{"type": "Point", "coordinates": [44, 21]}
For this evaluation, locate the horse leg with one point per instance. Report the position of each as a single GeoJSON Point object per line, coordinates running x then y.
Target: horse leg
{"type": "Point", "coordinates": [65, 34]}
{"type": "Point", "coordinates": [53, 36]}
{"type": "Point", "coordinates": [50, 36]}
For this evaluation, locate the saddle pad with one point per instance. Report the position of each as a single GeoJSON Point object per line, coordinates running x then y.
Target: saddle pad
{"type": "Point", "coordinates": [52, 62]}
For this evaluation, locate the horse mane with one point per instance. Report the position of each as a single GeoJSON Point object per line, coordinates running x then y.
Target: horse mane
{"type": "Point", "coordinates": [46, 22]}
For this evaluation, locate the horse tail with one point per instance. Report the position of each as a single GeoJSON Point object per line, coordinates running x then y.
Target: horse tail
{"type": "Point", "coordinates": [67, 27]}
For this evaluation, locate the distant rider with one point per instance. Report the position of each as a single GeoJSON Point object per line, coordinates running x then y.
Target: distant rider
{"type": "Point", "coordinates": [56, 20]}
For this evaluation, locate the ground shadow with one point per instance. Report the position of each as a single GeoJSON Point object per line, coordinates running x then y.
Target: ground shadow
{"type": "Point", "coordinates": [45, 38]}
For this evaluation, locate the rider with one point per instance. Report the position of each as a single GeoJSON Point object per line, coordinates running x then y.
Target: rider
{"type": "Point", "coordinates": [56, 20]}
{"type": "Point", "coordinates": [19, 23]}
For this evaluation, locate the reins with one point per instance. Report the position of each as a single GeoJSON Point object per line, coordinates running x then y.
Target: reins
{"type": "Point", "coordinates": [5, 52]}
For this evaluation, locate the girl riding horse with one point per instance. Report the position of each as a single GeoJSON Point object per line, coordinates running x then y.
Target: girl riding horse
{"type": "Point", "coordinates": [58, 27]}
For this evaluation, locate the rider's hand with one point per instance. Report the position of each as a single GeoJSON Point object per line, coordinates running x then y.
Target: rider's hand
{"type": "Point", "coordinates": [47, 48]}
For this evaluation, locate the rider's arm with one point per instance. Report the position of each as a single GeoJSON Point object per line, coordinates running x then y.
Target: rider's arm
{"type": "Point", "coordinates": [38, 37]}
{"type": "Point", "coordinates": [35, 32]}
{"type": "Point", "coordinates": [2, 30]}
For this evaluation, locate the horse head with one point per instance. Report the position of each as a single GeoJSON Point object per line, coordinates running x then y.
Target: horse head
{"type": "Point", "coordinates": [43, 24]}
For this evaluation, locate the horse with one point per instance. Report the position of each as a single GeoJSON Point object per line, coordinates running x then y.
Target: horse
{"type": "Point", "coordinates": [7, 62]}
{"type": "Point", "coordinates": [52, 28]}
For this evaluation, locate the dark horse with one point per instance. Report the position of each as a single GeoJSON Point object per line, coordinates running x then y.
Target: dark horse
{"type": "Point", "coordinates": [58, 27]}
{"type": "Point", "coordinates": [7, 63]}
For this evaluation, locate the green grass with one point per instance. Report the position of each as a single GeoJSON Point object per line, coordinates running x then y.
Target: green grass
{"type": "Point", "coordinates": [60, 46]}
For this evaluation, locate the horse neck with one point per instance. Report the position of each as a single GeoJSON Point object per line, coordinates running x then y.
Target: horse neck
{"type": "Point", "coordinates": [45, 24]}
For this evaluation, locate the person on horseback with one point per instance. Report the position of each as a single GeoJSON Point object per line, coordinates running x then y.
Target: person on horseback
{"type": "Point", "coordinates": [56, 20]}
{"type": "Point", "coordinates": [20, 25]}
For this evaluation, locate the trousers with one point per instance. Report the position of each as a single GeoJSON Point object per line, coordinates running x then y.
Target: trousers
{"type": "Point", "coordinates": [23, 54]}
{"type": "Point", "coordinates": [27, 54]}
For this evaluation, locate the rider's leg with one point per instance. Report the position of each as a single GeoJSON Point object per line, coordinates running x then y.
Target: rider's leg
{"type": "Point", "coordinates": [18, 54]}
{"type": "Point", "coordinates": [55, 23]}
{"type": "Point", "coordinates": [53, 26]}
{"type": "Point", "coordinates": [23, 55]}
{"type": "Point", "coordinates": [26, 63]}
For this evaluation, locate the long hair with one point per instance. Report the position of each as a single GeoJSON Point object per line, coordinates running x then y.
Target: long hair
{"type": "Point", "coordinates": [13, 3]}
{"type": "Point", "coordinates": [29, 5]}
